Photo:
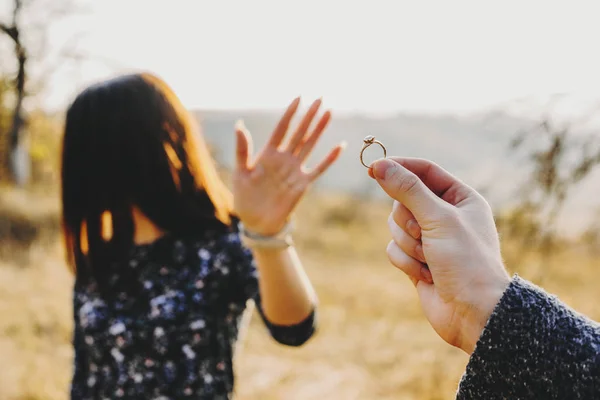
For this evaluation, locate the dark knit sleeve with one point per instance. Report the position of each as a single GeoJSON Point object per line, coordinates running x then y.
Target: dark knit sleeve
{"type": "Point", "coordinates": [534, 347]}
{"type": "Point", "coordinates": [247, 285]}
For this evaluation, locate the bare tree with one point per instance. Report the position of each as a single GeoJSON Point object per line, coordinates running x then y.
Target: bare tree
{"type": "Point", "coordinates": [29, 40]}
{"type": "Point", "coordinates": [561, 156]}
{"type": "Point", "coordinates": [12, 29]}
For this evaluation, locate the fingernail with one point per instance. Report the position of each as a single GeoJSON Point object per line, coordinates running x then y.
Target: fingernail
{"type": "Point", "coordinates": [343, 145]}
{"type": "Point", "coordinates": [381, 167]}
{"type": "Point", "coordinates": [240, 125]}
{"type": "Point", "coordinates": [413, 228]}
{"type": "Point", "coordinates": [419, 251]}
{"type": "Point", "coordinates": [426, 274]}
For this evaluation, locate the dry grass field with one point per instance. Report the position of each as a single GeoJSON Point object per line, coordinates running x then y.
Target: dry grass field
{"type": "Point", "coordinates": [373, 342]}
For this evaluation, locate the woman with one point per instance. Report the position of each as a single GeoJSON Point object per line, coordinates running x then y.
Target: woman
{"type": "Point", "coordinates": [163, 273]}
{"type": "Point", "coordinates": [523, 342]}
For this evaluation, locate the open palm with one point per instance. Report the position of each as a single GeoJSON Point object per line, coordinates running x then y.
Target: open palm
{"type": "Point", "coordinates": [266, 190]}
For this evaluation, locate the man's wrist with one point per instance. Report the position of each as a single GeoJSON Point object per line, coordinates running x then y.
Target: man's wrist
{"type": "Point", "coordinates": [479, 312]}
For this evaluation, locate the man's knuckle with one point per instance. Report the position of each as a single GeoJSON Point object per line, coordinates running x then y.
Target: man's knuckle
{"type": "Point", "coordinates": [450, 216]}
{"type": "Point", "coordinates": [400, 217]}
{"type": "Point", "coordinates": [482, 202]}
{"type": "Point", "coordinates": [391, 220]}
{"type": "Point", "coordinates": [408, 183]}
{"type": "Point", "coordinates": [390, 246]}
{"type": "Point", "coordinates": [392, 252]}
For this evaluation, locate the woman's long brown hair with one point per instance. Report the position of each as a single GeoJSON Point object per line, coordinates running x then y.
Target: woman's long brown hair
{"type": "Point", "coordinates": [129, 142]}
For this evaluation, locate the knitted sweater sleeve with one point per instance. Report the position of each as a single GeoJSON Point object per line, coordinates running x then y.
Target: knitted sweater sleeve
{"type": "Point", "coordinates": [534, 347]}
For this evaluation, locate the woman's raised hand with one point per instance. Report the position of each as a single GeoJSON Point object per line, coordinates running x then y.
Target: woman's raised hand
{"type": "Point", "coordinates": [267, 189]}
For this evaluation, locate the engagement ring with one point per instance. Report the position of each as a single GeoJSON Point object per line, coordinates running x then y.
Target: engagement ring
{"type": "Point", "coordinates": [369, 140]}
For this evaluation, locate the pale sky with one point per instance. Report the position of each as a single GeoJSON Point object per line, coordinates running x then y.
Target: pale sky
{"type": "Point", "coordinates": [373, 56]}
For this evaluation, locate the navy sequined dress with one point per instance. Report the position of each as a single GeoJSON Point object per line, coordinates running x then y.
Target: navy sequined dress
{"type": "Point", "coordinates": [170, 326]}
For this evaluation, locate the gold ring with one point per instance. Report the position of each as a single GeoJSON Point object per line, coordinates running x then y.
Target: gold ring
{"type": "Point", "coordinates": [369, 140]}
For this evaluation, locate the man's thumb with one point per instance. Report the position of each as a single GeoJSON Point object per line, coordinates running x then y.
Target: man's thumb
{"type": "Point", "coordinates": [406, 187]}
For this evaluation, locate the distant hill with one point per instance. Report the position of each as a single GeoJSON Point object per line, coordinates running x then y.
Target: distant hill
{"type": "Point", "coordinates": [476, 148]}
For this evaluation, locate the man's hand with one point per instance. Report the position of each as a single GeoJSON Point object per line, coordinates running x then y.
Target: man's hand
{"type": "Point", "coordinates": [445, 240]}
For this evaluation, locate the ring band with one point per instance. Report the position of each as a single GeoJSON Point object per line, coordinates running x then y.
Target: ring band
{"type": "Point", "coordinates": [367, 141]}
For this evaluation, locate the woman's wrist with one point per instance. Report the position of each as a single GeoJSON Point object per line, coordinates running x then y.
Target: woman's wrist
{"type": "Point", "coordinates": [264, 226]}
{"type": "Point", "coordinates": [280, 240]}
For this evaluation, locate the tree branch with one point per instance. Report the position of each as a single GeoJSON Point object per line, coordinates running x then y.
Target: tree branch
{"type": "Point", "coordinates": [16, 10]}
{"type": "Point", "coordinates": [11, 31]}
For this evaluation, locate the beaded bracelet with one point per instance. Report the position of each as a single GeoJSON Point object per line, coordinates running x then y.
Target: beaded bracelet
{"type": "Point", "coordinates": [280, 240]}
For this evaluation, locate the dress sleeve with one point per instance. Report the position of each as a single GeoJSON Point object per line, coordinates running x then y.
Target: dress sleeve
{"type": "Point", "coordinates": [534, 347]}
{"type": "Point", "coordinates": [246, 286]}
